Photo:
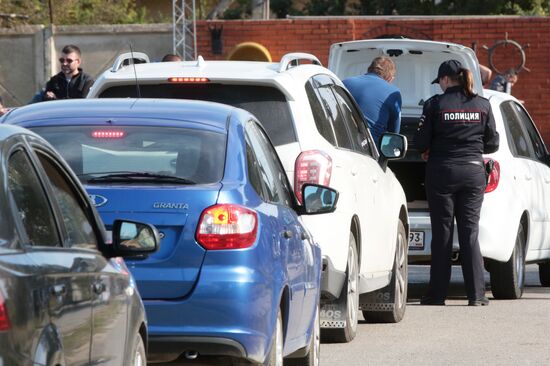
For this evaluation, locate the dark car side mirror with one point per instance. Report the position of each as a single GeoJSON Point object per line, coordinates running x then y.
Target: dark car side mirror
{"type": "Point", "coordinates": [318, 199]}
{"type": "Point", "coordinates": [393, 146]}
{"type": "Point", "coordinates": [134, 239]}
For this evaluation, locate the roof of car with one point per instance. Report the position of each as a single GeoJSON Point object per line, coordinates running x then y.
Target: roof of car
{"type": "Point", "coordinates": [215, 68]}
{"type": "Point", "coordinates": [217, 71]}
{"type": "Point", "coordinates": [212, 114]}
{"type": "Point", "coordinates": [489, 93]}
{"type": "Point", "coordinates": [7, 131]}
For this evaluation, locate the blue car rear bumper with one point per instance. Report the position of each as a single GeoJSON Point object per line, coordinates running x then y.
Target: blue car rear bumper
{"type": "Point", "coordinates": [231, 312]}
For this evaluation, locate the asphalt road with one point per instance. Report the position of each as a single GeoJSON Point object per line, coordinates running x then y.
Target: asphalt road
{"type": "Point", "coordinates": [507, 332]}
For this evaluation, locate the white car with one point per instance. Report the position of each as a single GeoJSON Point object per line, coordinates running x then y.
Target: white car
{"type": "Point", "coordinates": [321, 137]}
{"type": "Point", "coordinates": [515, 216]}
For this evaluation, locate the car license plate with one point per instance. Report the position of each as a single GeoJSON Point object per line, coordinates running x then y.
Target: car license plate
{"type": "Point", "coordinates": [416, 240]}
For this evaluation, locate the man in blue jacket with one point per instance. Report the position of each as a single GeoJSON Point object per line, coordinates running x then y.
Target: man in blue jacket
{"type": "Point", "coordinates": [379, 100]}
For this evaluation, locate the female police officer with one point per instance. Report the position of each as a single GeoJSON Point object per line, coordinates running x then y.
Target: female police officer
{"type": "Point", "coordinates": [455, 129]}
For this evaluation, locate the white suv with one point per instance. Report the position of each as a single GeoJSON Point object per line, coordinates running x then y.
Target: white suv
{"type": "Point", "coordinates": [515, 216]}
{"type": "Point", "coordinates": [320, 137]}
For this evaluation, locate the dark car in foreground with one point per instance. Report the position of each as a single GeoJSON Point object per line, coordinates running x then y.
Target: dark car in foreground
{"type": "Point", "coordinates": [237, 275]}
{"type": "Point", "coordinates": [66, 296]}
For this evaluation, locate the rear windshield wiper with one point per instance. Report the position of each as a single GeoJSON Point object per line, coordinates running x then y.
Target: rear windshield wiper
{"type": "Point", "coordinates": [140, 177]}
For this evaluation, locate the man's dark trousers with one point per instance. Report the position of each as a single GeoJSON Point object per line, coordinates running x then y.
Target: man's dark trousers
{"type": "Point", "coordinates": [455, 190]}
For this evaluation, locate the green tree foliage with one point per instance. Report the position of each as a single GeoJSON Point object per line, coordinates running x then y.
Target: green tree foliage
{"type": "Point", "coordinates": [394, 7]}
{"type": "Point", "coordinates": [239, 9]}
{"type": "Point", "coordinates": [65, 12]}
{"type": "Point", "coordinates": [500, 7]}
{"type": "Point", "coordinates": [282, 8]}
{"type": "Point", "coordinates": [412, 7]}
{"type": "Point", "coordinates": [455, 7]}
{"type": "Point", "coordinates": [325, 7]}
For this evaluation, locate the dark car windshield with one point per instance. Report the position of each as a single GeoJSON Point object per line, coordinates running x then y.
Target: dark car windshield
{"type": "Point", "coordinates": [268, 104]}
{"type": "Point", "coordinates": [139, 154]}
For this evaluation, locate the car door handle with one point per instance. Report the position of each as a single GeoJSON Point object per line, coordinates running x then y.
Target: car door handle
{"type": "Point", "coordinates": [528, 177]}
{"type": "Point", "coordinates": [375, 179]}
{"type": "Point", "coordinates": [354, 171]}
{"type": "Point", "coordinates": [287, 234]}
{"type": "Point", "coordinates": [98, 287]}
{"type": "Point", "coordinates": [58, 290]}
{"type": "Point", "coordinates": [304, 235]}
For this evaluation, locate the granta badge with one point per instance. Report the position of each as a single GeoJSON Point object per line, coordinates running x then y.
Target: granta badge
{"type": "Point", "coordinates": [171, 205]}
{"type": "Point", "coordinates": [98, 200]}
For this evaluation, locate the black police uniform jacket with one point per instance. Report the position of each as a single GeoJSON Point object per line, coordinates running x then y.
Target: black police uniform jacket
{"type": "Point", "coordinates": [456, 128]}
{"type": "Point", "coordinates": [78, 87]}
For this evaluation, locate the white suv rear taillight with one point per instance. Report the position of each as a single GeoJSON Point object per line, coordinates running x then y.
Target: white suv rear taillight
{"type": "Point", "coordinates": [313, 166]}
{"type": "Point", "coordinates": [4, 320]}
{"type": "Point", "coordinates": [227, 226]}
{"type": "Point", "coordinates": [494, 177]}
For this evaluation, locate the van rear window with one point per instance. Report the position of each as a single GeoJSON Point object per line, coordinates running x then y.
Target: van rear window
{"type": "Point", "coordinates": [140, 154]}
{"type": "Point", "coordinates": [268, 104]}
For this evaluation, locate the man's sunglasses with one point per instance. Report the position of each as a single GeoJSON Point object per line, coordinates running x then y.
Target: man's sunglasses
{"type": "Point", "coordinates": [68, 60]}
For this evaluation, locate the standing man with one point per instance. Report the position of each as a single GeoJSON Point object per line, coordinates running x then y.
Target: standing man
{"type": "Point", "coordinates": [486, 74]}
{"type": "Point", "coordinates": [379, 100]}
{"type": "Point", "coordinates": [455, 129]}
{"type": "Point", "coordinates": [71, 82]}
{"type": "Point", "coordinates": [504, 83]}
{"type": "Point", "coordinates": [171, 57]}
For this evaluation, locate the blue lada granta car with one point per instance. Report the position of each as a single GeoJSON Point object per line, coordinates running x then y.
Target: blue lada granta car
{"type": "Point", "coordinates": [237, 275]}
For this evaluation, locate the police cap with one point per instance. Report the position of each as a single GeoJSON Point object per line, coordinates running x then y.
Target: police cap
{"type": "Point", "coordinates": [448, 68]}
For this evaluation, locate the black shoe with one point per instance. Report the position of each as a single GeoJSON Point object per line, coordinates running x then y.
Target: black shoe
{"type": "Point", "coordinates": [479, 302]}
{"type": "Point", "coordinates": [427, 300]}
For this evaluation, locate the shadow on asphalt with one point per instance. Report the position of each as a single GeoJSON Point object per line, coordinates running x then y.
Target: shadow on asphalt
{"type": "Point", "coordinates": [419, 277]}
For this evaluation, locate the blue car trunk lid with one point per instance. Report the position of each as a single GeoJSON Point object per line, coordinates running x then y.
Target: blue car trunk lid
{"type": "Point", "coordinates": [172, 271]}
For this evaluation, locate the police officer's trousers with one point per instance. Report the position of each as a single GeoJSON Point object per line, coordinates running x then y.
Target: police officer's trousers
{"type": "Point", "coordinates": [455, 190]}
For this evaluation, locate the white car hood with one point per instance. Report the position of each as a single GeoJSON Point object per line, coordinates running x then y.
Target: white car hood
{"type": "Point", "coordinates": [417, 62]}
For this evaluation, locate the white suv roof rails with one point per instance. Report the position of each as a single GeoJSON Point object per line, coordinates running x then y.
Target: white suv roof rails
{"type": "Point", "coordinates": [292, 59]}
{"type": "Point", "coordinates": [287, 61]}
{"type": "Point", "coordinates": [127, 59]}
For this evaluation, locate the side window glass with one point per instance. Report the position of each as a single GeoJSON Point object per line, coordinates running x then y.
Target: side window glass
{"type": "Point", "coordinates": [536, 141]}
{"type": "Point", "coordinates": [254, 170]}
{"type": "Point", "coordinates": [329, 100]}
{"type": "Point", "coordinates": [354, 121]}
{"type": "Point", "coordinates": [80, 231]}
{"type": "Point", "coordinates": [283, 186]}
{"type": "Point", "coordinates": [272, 180]}
{"type": "Point", "coordinates": [517, 137]}
{"type": "Point", "coordinates": [262, 168]}
{"type": "Point", "coordinates": [320, 114]}
{"type": "Point", "coordinates": [31, 202]}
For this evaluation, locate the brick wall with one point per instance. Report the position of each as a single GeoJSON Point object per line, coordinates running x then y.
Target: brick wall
{"type": "Point", "coordinates": [315, 35]}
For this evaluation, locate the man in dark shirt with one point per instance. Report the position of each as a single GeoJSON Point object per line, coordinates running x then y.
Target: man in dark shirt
{"type": "Point", "coordinates": [504, 83]}
{"type": "Point", "coordinates": [71, 82]}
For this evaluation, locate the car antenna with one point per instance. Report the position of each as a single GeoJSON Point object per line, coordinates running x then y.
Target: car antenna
{"type": "Point", "coordinates": [135, 73]}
